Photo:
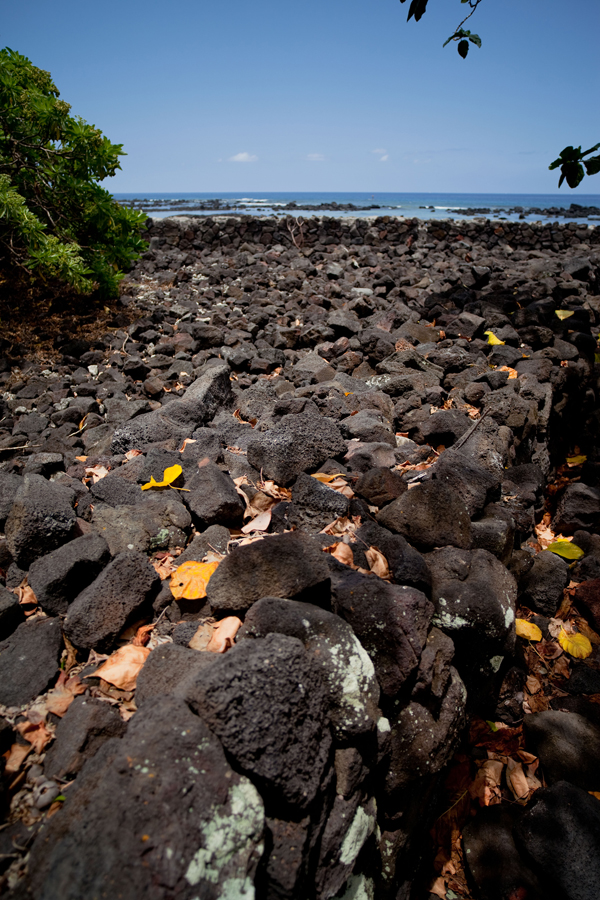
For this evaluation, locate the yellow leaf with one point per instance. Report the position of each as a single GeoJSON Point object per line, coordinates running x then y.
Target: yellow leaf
{"type": "Point", "coordinates": [566, 549]}
{"type": "Point", "coordinates": [576, 460]}
{"type": "Point", "coordinates": [170, 475]}
{"type": "Point", "coordinates": [528, 630]}
{"type": "Point", "coordinates": [326, 479]}
{"type": "Point", "coordinates": [576, 645]}
{"type": "Point", "coordinates": [190, 579]}
{"type": "Point", "coordinates": [492, 339]}
{"type": "Point", "coordinates": [564, 313]}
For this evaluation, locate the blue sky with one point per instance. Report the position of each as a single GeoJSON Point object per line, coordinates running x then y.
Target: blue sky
{"type": "Point", "coordinates": [323, 95]}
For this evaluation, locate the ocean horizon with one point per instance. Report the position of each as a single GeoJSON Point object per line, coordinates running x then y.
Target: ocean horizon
{"type": "Point", "coordinates": [512, 207]}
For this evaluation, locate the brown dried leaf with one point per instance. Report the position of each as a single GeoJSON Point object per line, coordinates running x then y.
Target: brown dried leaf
{"type": "Point", "coordinates": [273, 490]}
{"type": "Point", "coordinates": [35, 733]}
{"type": "Point", "coordinates": [224, 634]}
{"type": "Point", "coordinates": [486, 786]}
{"type": "Point", "coordinates": [131, 454]}
{"type": "Point", "coordinates": [533, 684]}
{"type": "Point", "coordinates": [378, 564]}
{"type": "Point", "coordinates": [164, 567]}
{"type": "Point", "coordinates": [342, 553]}
{"type": "Point", "coordinates": [27, 598]}
{"type": "Point", "coordinates": [342, 525]}
{"type": "Point", "coordinates": [123, 667]}
{"type": "Point", "coordinates": [142, 635]}
{"type": "Point", "coordinates": [260, 523]}
{"type": "Point", "coordinates": [96, 473]}
{"type": "Point", "coordinates": [16, 757]}
{"type": "Point", "coordinates": [517, 782]}
{"type": "Point", "coordinates": [60, 698]}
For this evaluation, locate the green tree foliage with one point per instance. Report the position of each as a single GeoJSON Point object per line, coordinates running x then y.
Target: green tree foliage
{"type": "Point", "coordinates": [57, 225]}
{"type": "Point", "coordinates": [572, 163]}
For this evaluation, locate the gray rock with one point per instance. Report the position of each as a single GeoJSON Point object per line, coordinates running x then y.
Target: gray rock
{"type": "Point", "coordinates": [11, 613]}
{"type": "Point", "coordinates": [9, 485]}
{"type": "Point", "coordinates": [116, 491]}
{"type": "Point", "coordinates": [390, 621]}
{"type": "Point", "coordinates": [122, 593]}
{"type": "Point", "coordinates": [560, 832]}
{"type": "Point", "coordinates": [380, 486]}
{"type": "Point", "coordinates": [296, 444]}
{"type": "Point", "coordinates": [214, 538]}
{"type": "Point", "coordinates": [474, 597]}
{"type": "Point", "coordinates": [406, 564]}
{"type": "Point", "coordinates": [178, 419]}
{"type": "Point", "coordinates": [430, 515]}
{"type": "Point", "coordinates": [368, 425]}
{"type": "Point", "coordinates": [476, 485]}
{"type": "Point", "coordinates": [568, 746]}
{"type": "Point", "coordinates": [29, 661]}
{"type": "Point", "coordinates": [286, 565]}
{"type": "Point", "coordinates": [315, 505]}
{"type": "Point", "coordinates": [185, 824]}
{"type": "Point", "coordinates": [86, 725]}
{"type": "Point", "coordinates": [497, 867]}
{"type": "Point", "coordinates": [266, 702]}
{"type": "Point", "coordinates": [168, 669]}
{"type": "Point", "coordinates": [41, 519]}
{"type": "Point", "coordinates": [57, 578]}
{"type": "Point", "coordinates": [542, 587]}
{"type": "Point", "coordinates": [579, 507]}
{"type": "Point", "coordinates": [348, 672]}
{"type": "Point", "coordinates": [213, 499]}
{"type": "Point", "coordinates": [155, 524]}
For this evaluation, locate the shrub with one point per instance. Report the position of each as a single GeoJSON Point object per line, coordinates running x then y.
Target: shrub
{"type": "Point", "coordinates": [57, 225]}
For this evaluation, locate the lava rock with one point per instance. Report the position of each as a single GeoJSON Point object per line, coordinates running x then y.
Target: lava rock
{"type": "Point", "coordinates": [57, 578]}
{"type": "Point", "coordinates": [266, 702]}
{"type": "Point", "coordinates": [169, 667]}
{"type": "Point", "coordinates": [430, 515]}
{"type": "Point", "coordinates": [40, 520]}
{"type": "Point", "coordinates": [286, 565]}
{"type": "Point", "coordinates": [568, 746]}
{"type": "Point", "coordinates": [587, 597]}
{"type": "Point", "coordinates": [560, 833]}
{"type": "Point", "coordinates": [390, 621]}
{"type": "Point", "coordinates": [179, 805]}
{"type": "Point", "coordinates": [542, 587]}
{"type": "Point", "coordinates": [86, 725]}
{"type": "Point", "coordinates": [11, 613]}
{"type": "Point", "coordinates": [296, 444]}
{"type": "Point", "coordinates": [380, 486]}
{"type": "Point", "coordinates": [9, 486]}
{"type": "Point", "coordinates": [348, 672]}
{"type": "Point", "coordinates": [29, 661]}
{"type": "Point", "coordinates": [579, 507]}
{"type": "Point", "coordinates": [213, 499]}
{"type": "Point", "coordinates": [121, 593]}
{"type": "Point", "coordinates": [315, 505]}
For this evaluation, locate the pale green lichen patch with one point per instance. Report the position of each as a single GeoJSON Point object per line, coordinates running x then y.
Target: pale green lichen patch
{"type": "Point", "coordinates": [359, 887]}
{"type": "Point", "coordinates": [444, 619]}
{"type": "Point", "coordinates": [231, 838]}
{"type": "Point", "coordinates": [362, 826]}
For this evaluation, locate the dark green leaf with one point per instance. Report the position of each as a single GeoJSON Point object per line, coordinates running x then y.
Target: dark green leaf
{"type": "Point", "coordinates": [475, 39]}
{"type": "Point", "coordinates": [463, 49]}
{"type": "Point", "coordinates": [592, 166]}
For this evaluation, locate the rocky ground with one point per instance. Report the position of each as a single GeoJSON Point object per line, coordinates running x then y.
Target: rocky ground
{"type": "Point", "coordinates": [358, 438]}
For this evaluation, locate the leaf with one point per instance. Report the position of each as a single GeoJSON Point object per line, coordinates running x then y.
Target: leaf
{"type": "Point", "coordinates": [326, 479]}
{"type": "Point", "coordinates": [463, 49]}
{"type": "Point", "coordinates": [486, 786]}
{"type": "Point", "coordinates": [378, 564]}
{"type": "Point", "coordinates": [36, 734]}
{"type": "Point", "coordinates": [576, 460]}
{"type": "Point", "coordinates": [123, 667]}
{"type": "Point", "coordinates": [517, 782]}
{"type": "Point", "coordinates": [566, 549]}
{"type": "Point", "coordinates": [528, 630]}
{"type": "Point", "coordinates": [592, 166]}
{"type": "Point", "coordinates": [190, 579]}
{"type": "Point", "coordinates": [576, 644]}
{"type": "Point", "coordinates": [131, 454]}
{"type": "Point", "coordinates": [60, 698]}
{"type": "Point", "coordinates": [564, 313]}
{"type": "Point", "coordinates": [16, 757]}
{"type": "Point", "coordinates": [96, 473]}
{"type": "Point", "coordinates": [342, 525]}
{"type": "Point", "coordinates": [170, 475]}
{"type": "Point", "coordinates": [260, 523]}
{"type": "Point", "coordinates": [492, 339]}
{"type": "Point", "coordinates": [343, 553]}
{"type": "Point", "coordinates": [224, 634]}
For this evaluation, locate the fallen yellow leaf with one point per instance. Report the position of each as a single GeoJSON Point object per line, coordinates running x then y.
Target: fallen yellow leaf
{"type": "Point", "coordinates": [190, 579]}
{"type": "Point", "coordinates": [170, 475]}
{"type": "Point", "coordinates": [492, 339]}
{"type": "Point", "coordinates": [528, 630]}
{"type": "Point", "coordinates": [566, 548]}
{"type": "Point", "coordinates": [575, 644]}
{"type": "Point", "coordinates": [123, 667]}
{"type": "Point", "coordinates": [576, 460]}
{"type": "Point", "coordinates": [326, 479]}
{"type": "Point", "coordinates": [564, 313]}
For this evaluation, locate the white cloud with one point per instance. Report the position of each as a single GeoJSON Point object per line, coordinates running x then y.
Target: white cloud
{"type": "Point", "coordinates": [382, 154]}
{"type": "Point", "coordinates": [243, 157]}
{"type": "Point", "coordinates": [315, 157]}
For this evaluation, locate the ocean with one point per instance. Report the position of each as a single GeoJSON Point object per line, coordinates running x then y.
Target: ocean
{"type": "Point", "coordinates": [513, 207]}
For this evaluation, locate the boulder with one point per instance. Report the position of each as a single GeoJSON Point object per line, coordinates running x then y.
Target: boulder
{"type": "Point", "coordinates": [29, 660]}
{"type": "Point", "coordinates": [86, 725]}
{"type": "Point", "coordinates": [298, 443]}
{"type": "Point", "coordinates": [57, 578]}
{"type": "Point", "coordinates": [568, 746]}
{"type": "Point", "coordinates": [428, 516]}
{"type": "Point", "coordinates": [40, 520]}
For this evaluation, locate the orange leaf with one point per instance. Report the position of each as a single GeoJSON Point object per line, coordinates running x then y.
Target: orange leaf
{"type": "Point", "coordinates": [342, 553]}
{"type": "Point", "coordinates": [123, 667]}
{"type": "Point", "coordinates": [378, 564]}
{"type": "Point", "coordinates": [190, 580]}
{"type": "Point", "coordinates": [16, 757]}
{"type": "Point", "coordinates": [60, 698]}
{"type": "Point", "coordinates": [142, 635]}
